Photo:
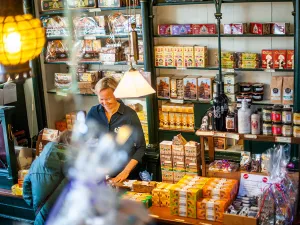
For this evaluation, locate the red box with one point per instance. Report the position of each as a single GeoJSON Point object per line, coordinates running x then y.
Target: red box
{"type": "Point", "coordinates": [227, 28]}
{"type": "Point", "coordinates": [280, 28]}
{"type": "Point", "coordinates": [260, 28]}
{"type": "Point", "coordinates": [290, 59]}
{"type": "Point", "coordinates": [239, 28]}
{"type": "Point", "coordinates": [204, 28]}
{"type": "Point", "coordinates": [267, 58]}
{"type": "Point", "coordinates": [279, 57]}
{"type": "Point", "coordinates": [164, 29]}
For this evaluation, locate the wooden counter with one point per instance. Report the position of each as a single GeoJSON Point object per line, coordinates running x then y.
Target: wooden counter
{"type": "Point", "coordinates": [163, 215]}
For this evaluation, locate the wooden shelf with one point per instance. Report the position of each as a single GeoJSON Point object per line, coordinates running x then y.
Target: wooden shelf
{"type": "Point", "coordinates": [163, 215]}
{"type": "Point", "coordinates": [174, 130]}
{"type": "Point", "coordinates": [211, 2]}
{"type": "Point", "coordinates": [249, 137]}
{"type": "Point", "coordinates": [122, 63]}
{"type": "Point", "coordinates": [188, 68]}
{"type": "Point", "coordinates": [96, 36]}
{"type": "Point", "coordinates": [225, 35]}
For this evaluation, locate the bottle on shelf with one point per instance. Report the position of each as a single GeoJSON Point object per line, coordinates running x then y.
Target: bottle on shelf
{"type": "Point", "coordinates": [217, 103]}
{"type": "Point", "coordinates": [244, 118]}
{"type": "Point", "coordinates": [224, 106]}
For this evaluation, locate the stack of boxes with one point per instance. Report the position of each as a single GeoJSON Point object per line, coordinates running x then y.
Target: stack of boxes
{"type": "Point", "coordinates": [178, 157]}
{"type": "Point", "coordinates": [247, 60]}
{"type": "Point", "coordinates": [161, 195]}
{"type": "Point", "coordinates": [277, 59]}
{"type": "Point", "coordinates": [144, 198]}
{"type": "Point", "coordinates": [217, 195]}
{"type": "Point", "coordinates": [166, 162]}
{"type": "Point", "coordinates": [181, 56]}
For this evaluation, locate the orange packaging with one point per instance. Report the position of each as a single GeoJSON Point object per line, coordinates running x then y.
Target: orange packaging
{"type": "Point", "coordinates": [159, 55]}
{"type": "Point", "coordinates": [178, 56]}
{"type": "Point", "coordinates": [188, 53]}
{"type": "Point", "coordinates": [168, 56]}
{"type": "Point", "coordinates": [267, 59]}
{"type": "Point", "coordinates": [178, 120]}
{"type": "Point", "coordinates": [279, 57]}
{"type": "Point", "coordinates": [290, 59]}
{"type": "Point", "coordinates": [201, 56]}
{"type": "Point", "coordinates": [61, 125]}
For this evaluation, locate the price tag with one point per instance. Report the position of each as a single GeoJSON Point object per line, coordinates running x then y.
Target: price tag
{"type": "Point", "coordinates": [270, 70]}
{"type": "Point", "coordinates": [89, 37]}
{"type": "Point", "coordinates": [177, 101]}
{"type": "Point", "coordinates": [233, 136]}
{"type": "Point", "coordinates": [283, 139]}
{"type": "Point", "coordinates": [204, 133]}
{"type": "Point", "coordinates": [95, 10]}
{"type": "Point", "coordinates": [228, 70]}
{"type": "Point", "coordinates": [180, 220]}
{"type": "Point", "coordinates": [218, 134]}
{"type": "Point", "coordinates": [250, 136]}
{"type": "Point", "coordinates": [109, 63]}
{"type": "Point", "coordinates": [181, 68]}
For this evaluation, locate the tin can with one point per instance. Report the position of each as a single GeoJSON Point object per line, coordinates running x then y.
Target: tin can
{"type": "Point", "coordinates": [267, 111]}
{"type": "Point", "coordinates": [255, 123]}
{"type": "Point", "coordinates": [276, 115]}
{"type": "Point", "coordinates": [296, 131]}
{"type": "Point", "coordinates": [287, 117]}
{"type": "Point", "coordinates": [267, 128]}
{"type": "Point", "coordinates": [287, 130]}
{"type": "Point", "coordinates": [296, 118]}
{"type": "Point", "coordinates": [277, 129]}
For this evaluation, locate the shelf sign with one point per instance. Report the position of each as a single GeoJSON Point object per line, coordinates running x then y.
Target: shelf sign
{"type": "Point", "coordinates": [283, 139]}
{"type": "Point", "coordinates": [250, 136]}
{"type": "Point", "coordinates": [95, 10]}
{"type": "Point", "coordinates": [181, 68]}
{"type": "Point", "coordinates": [218, 134]}
{"type": "Point", "coordinates": [204, 133]}
{"type": "Point", "coordinates": [89, 37]}
{"type": "Point", "coordinates": [62, 93]}
{"type": "Point", "coordinates": [233, 136]}
{"type": "Point", "coordinates": [108, 63]}
{"type": "Point", "coordinates": [270, 70]}
{"type": "Point", "coordinates": [228, 70]}
{"type": "Point", "coordinates": [155, 216]}
{"type": "Point", "coordinates": [177, 101]}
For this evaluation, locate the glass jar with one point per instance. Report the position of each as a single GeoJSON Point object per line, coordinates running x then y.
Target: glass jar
{"type": "Point", "coordinates": [267, 128]}
{"type": "Point", "coordinates": [296, 131]}
{"type": "Point", "coordinates": [267, 111]}
{"type": "Point", "coordinates": [287, 117]}
{"type": "Point", "coordinates": [277, 129]}
{"type": "Point", "coordinates": [296, 118]}
{"type": "Point", "coordinates": [276, 115]}
{"type": "Point", "coordinates": [287, 130]}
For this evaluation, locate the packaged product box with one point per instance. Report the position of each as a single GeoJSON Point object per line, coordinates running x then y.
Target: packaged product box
{"type": "Point", "coordinates": [86, 85]}
{"type": "Point", "coordinates": [190, 88]}
{"type": "Point", "coordinates": [143, 186]}
{"type": "Point", "coordinates": [187, 108]}
{"type": "Point", "coordinates": [178, 56]}
{"type": "Point", "coordinates": [248, 56]}
{"type": "Point", "coordinates": [177, 89]}
{"type": "Point", "coordinates": [184, 121]}
{"type": "Point", "coordinates": [204, 89]}
{"type": "Point", "coordinates": [166, 120]}
{"type": "Point", "coordinates": [72, 4]}
{"type": "Point", "coordinates": [166, 107]}
{"type": "Point", "coordinates": [279, 59]}
{"type": "Point", "coordinates": [192, 164]}
{"type": "Point", "coordinates": [280, 28]}
{"type": "Point", "coordinates": [249, 64]}
{"type": "Point", "coordinates": [267, 59]}
{"type": "Point", "coordinates": [61, 125]}
{"type": "Point", "coordinates": [228, 56]}
{"type": "Point", "coordinates": [228, 64]}
{"type": "Point", "coordinates": [188, 54]}
{"type": "Point", "coordinates": [167, 176]}
{"type": "Point", "coordinates": [230, 78]}
{"type": "Point", "coordinates": [109, 3]}
{"type": "Point", "coordinates": [168, 56]}
{"type": "Point", "coordinates": [172, 123]}
{"type": "Point", "coordinates": [178, 150]}
{"type": "Point", "coordinates": [47, 5]}
{"type": "Point", "coordinates": [230, 88]}
{"type": "Point", "coordinates": [227, 28]}
{"type": "Point", "coordinates": [159, 55]}
{"type": "Point", "coordinates": [201, 56]}
{"type": "Point", "coordinates": [166, 162]}
{"type": "Point", "coordinates": [89, 76]}
{"type": "Point", "coordinates": [164, 29]}
{"type": "Point", "coordinates": [220, 143]}
{"type": "Point", "coordinates": [190, 122]}
{"type": "Point", "coordinates": [204, 29]}
{"type": "Point", "coordinates": [181, 29]}
{"type": "Point", "coordinates": [63, 80]}
{"type": "Point", "coordinates": [290, 59]}
{"type": "Point", "coordinates": [276, 89]}
{"type": "Point", "coordinates": [163, 86]}
{"type": "Point", "coordinates": [193, 195]}
{"type": "Point", "coordinates": [288, 91]}
{"type": "Point", "coordinates": [192, 148]}
{"type": "Point", "coordinates": [178, 163]}
{"type": "Point", "coordinates": [239, 28]}
{"type": "Point", "coordinates": [165, 147]}
{"type": "Point", "coordinates": [178, 175]}
{"type": "Point", "coordinates": [161, 118]}
{"type": "Point", "coordinates": [260, 28]}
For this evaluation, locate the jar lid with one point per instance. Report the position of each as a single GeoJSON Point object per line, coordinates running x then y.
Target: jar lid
{"type": "Point", "coordinates": [258, 84]}
{"type": "Point", "coordinates": [287, 124]}
{"type": "Point", "coordinates": [287, 109]}
{"type": "Point", "coordinates": [246, 84]}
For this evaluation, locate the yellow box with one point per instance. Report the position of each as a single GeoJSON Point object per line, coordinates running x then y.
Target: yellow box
{"type": "Point", "coordinates": [178, 149]}
{"type": "Point", "coordinates": [178, 56]}
{"type": "Point", "coordinates": [188, 54]}
{"type": "Point", "coordinates": [172, 123]}
{"type": "Point", "coordinates": [174, 210]}
{"type": "Point", "coordinates": [178, 120]}
{"type": "Point", "coordinates": [178, 175]}
{"type": "Point", "coordinates": [168, 56]}
{"type": "Point", "coordinates": [184, 121]}
{"type": "Point", "coordinates": [167, 176]}
{"type": "Point", "coordinates": [165, 119]}
{"type": "Point", "coordinates": [166, 162]}
{"type": "Point", "coordinates": [201, 56]}
{"type": "Point", "coordinates": [159, 55]}
{"type": "Point", "coordinates": [165, 147]}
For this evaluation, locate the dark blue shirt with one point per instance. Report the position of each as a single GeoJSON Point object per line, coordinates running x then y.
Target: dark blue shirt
{"type": "Point", "coordinates": [124, 116]}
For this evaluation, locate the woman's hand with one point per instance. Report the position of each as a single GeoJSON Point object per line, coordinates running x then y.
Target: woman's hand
{"type": "Point", "coordinates": [121, 176]}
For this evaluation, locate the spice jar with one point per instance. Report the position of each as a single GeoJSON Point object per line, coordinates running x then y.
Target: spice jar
{"type": "Point", "coordinates": [267, 128]}
{"type": "Point", "coordinates": [296, 118]}
{"type": "Point", "coordinates": [287, 116]}
{"type": "Point", "coordinates": [277, 129]}
{"type": "Point", "coordinates": [296, 131]}
{"type": "Point", "coordinates": [276, 115]}
{"type": "Point", "coordinates": [267, 111]}
{"type": "Point", "coordinates": [230, 122]}
{"type": "Point", "coordinates": [287, 130]}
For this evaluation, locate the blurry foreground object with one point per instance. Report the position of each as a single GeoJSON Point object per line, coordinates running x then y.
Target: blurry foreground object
{"type": "Point", "coordinates": [87, 200]}
{"type": "Point", "coordinates": [22, 38]}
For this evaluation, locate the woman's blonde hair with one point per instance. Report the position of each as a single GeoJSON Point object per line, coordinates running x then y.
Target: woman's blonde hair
{"type": "Point", "coordinates": [104, 83]}
{"type": "Point", "coordinates": [65, 137]}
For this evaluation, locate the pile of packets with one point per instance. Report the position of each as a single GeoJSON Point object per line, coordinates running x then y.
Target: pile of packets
{"type": "Point", "coordinates": [244, 206]}
{"type": "Point", "coordinates": [178, 158]}
{"type": "Point", "coordinates": [144, 198]}
{"type": "Point", "coordinates": [223, 166]}
{"type": "Point", "coordinates": [176, 117]}
{"type": "Point", "coordinates": [181, 56]}
{"type": "Point", "coordinates": [68, 123]}
{"type": "Point", "coordinates": [254, 162]}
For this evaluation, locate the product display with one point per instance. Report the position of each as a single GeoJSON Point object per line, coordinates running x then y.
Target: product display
{"type": "Point", "coordinates": [56, 26]}
{"type": "Point", "coordinates": [223, 166]}
{"type": "Point", "coordinates": [161, 195]}
{"type": "Point", "coordinates": [144, 198]}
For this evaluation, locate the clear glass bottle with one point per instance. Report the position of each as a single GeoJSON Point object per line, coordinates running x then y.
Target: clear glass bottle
{"type": "Point", "coordinates": [244, 118]}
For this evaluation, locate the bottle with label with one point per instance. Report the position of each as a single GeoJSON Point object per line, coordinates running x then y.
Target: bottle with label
{"type": "Point", "coordinates": [225, 107]}
{"type": "Point", "coordinates": [217, 102]}
{"type": "Point", "coordinates": [244, 118]}
{"type": "Point", "coordinates": [255, 123]}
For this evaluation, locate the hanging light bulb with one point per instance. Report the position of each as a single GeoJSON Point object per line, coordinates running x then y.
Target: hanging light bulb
{"type": "Point", "coordinates": [22, 38]}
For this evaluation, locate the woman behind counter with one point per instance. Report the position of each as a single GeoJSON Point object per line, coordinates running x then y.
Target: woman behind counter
{"type": "Point", "coordinates": [112, 114]}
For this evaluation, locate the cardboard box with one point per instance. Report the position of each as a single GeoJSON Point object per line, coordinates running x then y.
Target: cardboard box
{"type": "Point", "coordinates": [163, 86]}
{"type": "Point", "coordinates": [227, 29]}
{"type": "Point", "coordinates": [190, 88]}
{"type": "Point", "coordinates": [177, 89]}
{"type": "Point", "coordinates": [47, 5]}
{"type": "Point", "coordinates": [260, 28]}
{"type": "Point", "coordinates": [248, 56]}
{"type": "Point", "coordinates": [280, 28]}
{"type": "Point", "coordinates": [168, 56]}
{"type": "Point", "coordinates": [230, 88]}
{"type": "Point", "coordinates": [201, 56]}
{"type": "Point", "coordinates": [166, 120]}
{"type": "Point", "coordinates": [230, 219]}
{"type": "Point", "coordinates": [178, 150]}
{"type": "Point", "coordinates": [166, 162]}
{"type": "Point", "coordinates": [159, 55]}
{"type": "Point", "coordinates": [290, 59]}
{"type": "Point", "coordinates": [239, 28]}
{"type": "Point", "coordinates": [178, 56]}
{"type": "Point", "coordinates": [172, 123]}
{"type": "Point", "coordinates": [267, 59]}
{"type": "Point", "coordinates": [220, 143]}
{"type": "Point", "coordinates": [249, 64]}
{"type": "Point", "coordinates": [165, 147]}
{"type": "Point", "coordinates": [192, 164]}
{"type": "Point", "coordinates": [204, 29]}
{"type": "Point", "coordinates": [181, 29]}
{"type": "Point", "coordinates": [164, 29]}
{"type": "Point", "coordinates": [167, 176]}
{"type": "Point", "coordinates": [188, 53]}
{"type": "Point", "coordinates": [178, 163]}
{"type": "Point", "coordinates": [178, 120]}
{"type": "Point", "coordinates": [192, 148]}
{"type": "Point", "coordinates": [204, 89]}
{"type": "Point", "coordinates": [178, 175]}
{"type": "Point", "coordinates": [230, 78]}
{"type": "Point", "coordinates": [279, 58]}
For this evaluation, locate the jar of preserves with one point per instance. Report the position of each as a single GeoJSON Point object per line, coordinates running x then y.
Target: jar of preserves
{"type": "Point", "coordinates": [287, 117]}
{"type": "Point", "coordinates": [267, 111]}
{"type": "Point", "coordinates": [287, 130]}
{"type": "Point", "coordinates": [296, 131]}
{"type": "Point", "coordinates": [277, 129]}
{"type": "Point", "coordinates": [267, 128]}
{"type": "Point", "coordinates": [276, 115]}
{"type": "Point", "coordinates": [296, 118]}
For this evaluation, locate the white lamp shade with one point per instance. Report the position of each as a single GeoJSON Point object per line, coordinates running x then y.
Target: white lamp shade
{"type": "Point", "coordinates": [133, 85]}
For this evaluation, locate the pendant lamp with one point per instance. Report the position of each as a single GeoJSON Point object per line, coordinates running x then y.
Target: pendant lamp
{"type": "Point", "coordinates": [133, 84]}
{"type": "Point", "coordinates": [22, 38]}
